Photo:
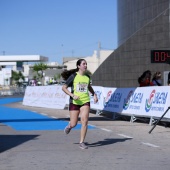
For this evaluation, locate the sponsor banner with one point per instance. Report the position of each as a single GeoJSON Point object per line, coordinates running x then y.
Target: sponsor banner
{"type": "Point", "coordinates": [99, 105]}
{"type": "Point", "coordinates": [68, 97]}
{"type": "Point", "coordinates": [156, 101]}
{"type": "Point", "coordinates": [145, 101]}
{"type": "Point", "coordinates": [133, 101]}
{"type": "Point", "coordinates": [107, 101]}
{"type": "Point", "coordinates": [45, 96]}
{"type": "Point", "coordinates": [114, 98]}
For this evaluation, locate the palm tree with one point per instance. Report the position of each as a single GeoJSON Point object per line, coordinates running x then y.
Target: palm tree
{"type": "Point", "coordinates": [39, 68]}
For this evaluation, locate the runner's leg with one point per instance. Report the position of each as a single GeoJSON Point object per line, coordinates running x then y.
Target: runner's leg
{"type": "Point", "coordinates": [74, 114]}
{"type": "Point", "coordinates": [84, 110]}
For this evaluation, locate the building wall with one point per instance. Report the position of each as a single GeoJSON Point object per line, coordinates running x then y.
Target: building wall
{"type": "Point", "coordinates": [123, 67]}
{"type": "Point", "coordinates": [93, 62]}
{"type": "Point", "coordinates": [135, 14]}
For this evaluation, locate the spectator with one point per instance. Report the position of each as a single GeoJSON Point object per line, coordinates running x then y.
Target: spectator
{"type": "Point", "coordinates": [168, 79]}
{"type": "Point", "coordinates": [156, 80]}
{"type": "Point", "coordinates": [51, 80]}
{"type": "Point", "coordinates": [35, 82]}
{"type": "Point", "coordinates": [145, 79]}
{"type": "Point", "coordinates": [168, 82]}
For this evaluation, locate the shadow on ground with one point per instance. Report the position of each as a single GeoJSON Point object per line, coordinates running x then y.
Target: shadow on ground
{"type": "Point", "coordinates": [11, 141]}
{"type": "Point", "coordinates": [107, 142]}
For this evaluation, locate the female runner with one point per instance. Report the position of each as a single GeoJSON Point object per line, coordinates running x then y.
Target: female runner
{"type": "Point", "coordinates": [79, 98]}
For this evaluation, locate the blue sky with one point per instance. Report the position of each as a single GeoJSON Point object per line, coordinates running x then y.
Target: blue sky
{"type": "Point", "coordinates": [57, 28]}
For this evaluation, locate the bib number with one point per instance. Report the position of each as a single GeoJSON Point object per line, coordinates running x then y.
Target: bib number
{"type": "Point", "coordinates": [81, 88]}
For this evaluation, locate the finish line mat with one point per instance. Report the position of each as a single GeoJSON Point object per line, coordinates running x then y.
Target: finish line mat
{"type": "Point", "coordinates": [20, 119]}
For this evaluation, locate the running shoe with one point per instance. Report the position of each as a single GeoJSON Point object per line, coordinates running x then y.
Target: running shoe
{"type": "Point", "coordinates": [67, 129]}
{"type": "Point", "coordinates": [83, 146]}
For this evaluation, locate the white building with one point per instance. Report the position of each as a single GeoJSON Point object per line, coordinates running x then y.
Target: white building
{"type": "Point", "coordinates": [16, 63]}
{"type": "Point", "coordinates": [93, 62]}
{"type": "Point", "coordinates": [23, 64]}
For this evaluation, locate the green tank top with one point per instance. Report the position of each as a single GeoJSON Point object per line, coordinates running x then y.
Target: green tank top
{"type": "Point", "coordinates": [79, 87]}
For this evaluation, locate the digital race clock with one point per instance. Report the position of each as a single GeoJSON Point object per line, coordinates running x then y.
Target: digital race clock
{"type": "Point", "coordinates": [160, 56]}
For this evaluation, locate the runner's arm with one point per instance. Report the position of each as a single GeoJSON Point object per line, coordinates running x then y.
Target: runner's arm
{"type": "Point", "coordinates": [93, 93]}
{"type": "Point", "coordinates": [65, 89]}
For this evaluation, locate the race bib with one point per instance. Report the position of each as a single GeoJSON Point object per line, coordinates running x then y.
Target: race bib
{"type": "Point", "coordinates": [81, 88]}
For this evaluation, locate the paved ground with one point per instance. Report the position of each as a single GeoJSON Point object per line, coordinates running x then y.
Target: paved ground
{"type": "Point", "coordinates": [113, 144]}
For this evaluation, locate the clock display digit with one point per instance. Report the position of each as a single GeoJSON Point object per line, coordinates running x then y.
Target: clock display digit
{"type": "Point", "coordinates": [156, 58]}
{"type": "Point", "coordinates": [160, 56]}
{"type": "Point", "coordinates": [163, 56]}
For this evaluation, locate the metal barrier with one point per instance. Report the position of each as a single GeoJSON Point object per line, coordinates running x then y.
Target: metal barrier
{"type": "Point", "coordinates": [11, 90]}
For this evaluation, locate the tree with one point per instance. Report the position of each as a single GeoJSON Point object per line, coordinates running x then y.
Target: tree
{"type": "Point", "coordinates": [39, 69]}
{"type": "Point", "coordinates": [16, 76]}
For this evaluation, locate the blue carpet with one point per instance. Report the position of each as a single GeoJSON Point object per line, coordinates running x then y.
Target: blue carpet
{"type": "Point", "coordinates": [27, 120]}
{"type": "Point", "coordinates": [10, 100]}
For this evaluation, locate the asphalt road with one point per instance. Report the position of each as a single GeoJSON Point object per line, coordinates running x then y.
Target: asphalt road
{"type": "Point", "coordinates": [113, 144]}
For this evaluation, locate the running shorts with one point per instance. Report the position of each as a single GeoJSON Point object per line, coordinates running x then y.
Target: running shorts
{"type": "Point", "coordinates": [77, 107]}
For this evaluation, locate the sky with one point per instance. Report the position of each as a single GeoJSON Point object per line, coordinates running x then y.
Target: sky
{"type": "Point", "coordinates": [57, 28]}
